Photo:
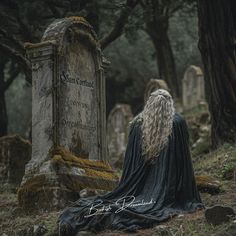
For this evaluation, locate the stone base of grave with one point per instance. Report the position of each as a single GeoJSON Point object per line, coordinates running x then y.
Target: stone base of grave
{"type": "Point", "coordinates": [59, 181]}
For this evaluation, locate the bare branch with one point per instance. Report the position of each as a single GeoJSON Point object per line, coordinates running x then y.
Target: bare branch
{"type": "Point", "coordinates": [18, 58]}
{"type": "Point", "coordinates": [12, 40]}
{"type": "Point", "coordinates": [116, 32]}
{"type": "Point", "coordinates": [25, 30]}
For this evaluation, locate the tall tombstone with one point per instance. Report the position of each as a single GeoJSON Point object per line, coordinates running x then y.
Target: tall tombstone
{"type": "Point", "coordinates": [117, 133]}
{"type": "Point", "coordinates": [153, 85]}
{"type": "Point", "coordinates": [193, 87]}
{"type": "Point", "coordinates": [68, 111]}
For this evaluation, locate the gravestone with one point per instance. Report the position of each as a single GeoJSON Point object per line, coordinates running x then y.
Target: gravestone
{"type": "Point", "coordinates": [193, 88]}
{"type": "Point", "coordinates": [117, 133]}
{"type": "Point", "coordinates": [68, 116]}
{"type": "Point", "coordinates": [15, 152]}
{"type": "Point", "coordinates": [153, 85]}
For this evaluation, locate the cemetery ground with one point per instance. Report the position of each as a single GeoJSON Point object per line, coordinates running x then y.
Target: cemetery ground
{"type": "Point", "coordinates": [219, 164]}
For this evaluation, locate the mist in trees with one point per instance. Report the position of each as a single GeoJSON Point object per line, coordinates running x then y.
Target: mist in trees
{"type": "Point", "coordinates": [122, 27]}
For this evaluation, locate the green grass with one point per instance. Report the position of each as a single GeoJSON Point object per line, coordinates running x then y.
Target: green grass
{"type": "Point", "coordinates": [200, 228]}
{"type": "Point", "coordinates": [217, 163]}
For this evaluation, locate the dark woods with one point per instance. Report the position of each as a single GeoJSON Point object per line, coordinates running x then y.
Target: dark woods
{"type": "Point", "coordinates": [141, 39]}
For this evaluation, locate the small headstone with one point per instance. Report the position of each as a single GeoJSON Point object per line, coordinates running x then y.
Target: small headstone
{"type": "Point", "coordinates": [193, 88]}
{"type": "Point", "coordinates": [117, 133]}
{"type": "Point", "coordinates": [153, 85]}
{"type": "Point", "coordinates": [217, 215]}
{"type": "Point", "coordinates": [15, 152]}
{"type": "Point", "coordinates": [68, 117]}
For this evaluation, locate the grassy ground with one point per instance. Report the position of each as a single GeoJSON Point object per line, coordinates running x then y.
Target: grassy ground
{"type": "Point", "coordinates": [217, 164]}
{"type": "Point", "coordinates": [221, 164]}
{"type": "Point", "coordinates": [14, 222]}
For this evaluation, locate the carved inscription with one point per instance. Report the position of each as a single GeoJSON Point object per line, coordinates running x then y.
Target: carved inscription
{"type": "Point", "coordinates": [74, 124]}
{"type": "Point", "coordinates": [66, 78]}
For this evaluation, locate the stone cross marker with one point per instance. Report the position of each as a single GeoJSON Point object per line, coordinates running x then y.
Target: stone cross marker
{"type": "Point", "coordinates": [193, 87]}
{"type": "Point", "coordinates": [68, 102]}
{"type": "Point", "coordinates": [153, 85]}
{"type": "Point", "coordinates": [117, 133]}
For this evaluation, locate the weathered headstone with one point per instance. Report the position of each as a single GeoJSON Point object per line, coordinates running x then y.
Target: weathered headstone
{"type": "Point", "coordinates": [117, 133]}
{"type": "Point", "coordinates": [193, 87]}
{"type": "Point", "coordinates": [15, 152]}
{"type": "Point", "coordinates": [153, 85]}
{"type": "Point", "coordinates": [68, 115]}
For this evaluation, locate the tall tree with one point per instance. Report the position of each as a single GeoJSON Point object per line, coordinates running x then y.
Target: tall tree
{"type": "Point", "coordinates": [157, 14]}
{"type": "Point", "coordinates": [217, 31]}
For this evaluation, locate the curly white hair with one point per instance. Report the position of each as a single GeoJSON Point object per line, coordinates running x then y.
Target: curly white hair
{"type": "Point", "coordinates": [157, 121]}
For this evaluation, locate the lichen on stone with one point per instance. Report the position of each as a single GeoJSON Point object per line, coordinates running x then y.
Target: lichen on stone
{"type": "Point", "coordinates": [30, 188]}
{"type": "Point", "coordinates": [78, 18]}
{"type": "Point", "coordinates": [100, 174]}
{"type": "Point", "coordinates": [208, 184]}
{"type": "Point", "coordinates": [60, 154]}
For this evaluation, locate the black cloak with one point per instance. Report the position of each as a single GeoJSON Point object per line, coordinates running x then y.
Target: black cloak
{"type": "Point", "coordinates": [148, 192]}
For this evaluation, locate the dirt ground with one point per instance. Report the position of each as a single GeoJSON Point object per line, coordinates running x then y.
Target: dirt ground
{"type": "Point", "coordinates": [220, 164]}
{"type": "Point", "coordinates": [14, 222]}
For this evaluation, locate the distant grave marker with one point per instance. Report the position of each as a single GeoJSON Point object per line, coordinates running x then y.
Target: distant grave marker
{"type": "Point", "coordinates": [193, 87]}
{"type": "Point", "coordinates": [153, 85]}
{"type": "Point", "coordinates": [117, 133]}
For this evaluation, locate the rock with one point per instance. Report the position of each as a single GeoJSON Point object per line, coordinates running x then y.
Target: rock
{"type": "Point", "coordinates": [85, 233]}
{"type": "Point", "coordinates": [162, 230]}
{"type": "Point", "coordinates": [207, 184]}
{"type": "Point", "coordinates": [15, 153]}
{"type": "Point", "coordinates": [217, 215]}
{"type": "Point", "coordinates": [201, 146]}
{"type": "Point", "coordinates": [39, 230]}
{"type": "Point", "coordinates": [87, 192]}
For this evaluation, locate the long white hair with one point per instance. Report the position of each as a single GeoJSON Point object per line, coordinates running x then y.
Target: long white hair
{"type": "Point", "coordinates": [157, 117]}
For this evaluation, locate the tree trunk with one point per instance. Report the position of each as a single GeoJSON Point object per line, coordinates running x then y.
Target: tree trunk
{"type": "Point", "coordinates": [165, 58]}
{"type": "Point", "coordinates": [3, 109]}
{"type": "Point", "coordinates": [217, 28]}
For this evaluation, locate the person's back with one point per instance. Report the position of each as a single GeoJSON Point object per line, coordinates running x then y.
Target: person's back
{"type": "Point", "coordinates": [157, 180]}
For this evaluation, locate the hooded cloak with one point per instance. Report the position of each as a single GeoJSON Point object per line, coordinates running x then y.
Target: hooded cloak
{"type": "Point", "coordinates": [148, 192]}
